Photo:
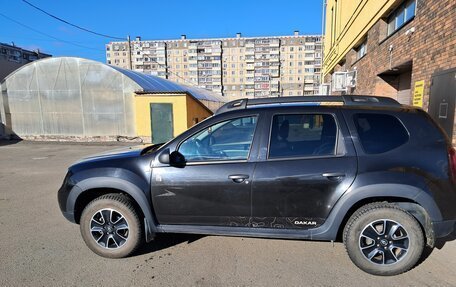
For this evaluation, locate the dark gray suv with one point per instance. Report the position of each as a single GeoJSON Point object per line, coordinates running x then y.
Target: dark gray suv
{"type": "Point", "coordinates": [366, 170]}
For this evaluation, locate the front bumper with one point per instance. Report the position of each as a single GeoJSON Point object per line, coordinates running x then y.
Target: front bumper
{"type": "Point", "coordinates": [63, 197]}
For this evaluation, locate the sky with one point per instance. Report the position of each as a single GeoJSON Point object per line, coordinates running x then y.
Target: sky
{"type": "Point", "coordinates": [152, 20]}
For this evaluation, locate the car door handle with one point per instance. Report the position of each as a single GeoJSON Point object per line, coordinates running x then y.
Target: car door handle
{"type": "Point", "coordinates": [238, 178]}
{"type": "Point", "coordinates": [333, 175]}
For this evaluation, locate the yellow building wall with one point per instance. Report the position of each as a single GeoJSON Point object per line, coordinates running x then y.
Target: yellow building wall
{"type": "Point", "coordinates": [142, 113]}
{"type": "Point", "coordinates": [196, 110]}
{"type": "Point", "coordinates": [346, 25]}
{"type": "Point", "coordinates": [185, 109]}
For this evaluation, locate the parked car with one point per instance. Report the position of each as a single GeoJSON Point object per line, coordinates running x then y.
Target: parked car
{"type": "Point", "coordinates": [365, 170]}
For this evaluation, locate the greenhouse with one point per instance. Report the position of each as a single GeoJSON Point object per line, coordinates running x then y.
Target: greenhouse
{"type": "Point", "coordinates": [77, 97]}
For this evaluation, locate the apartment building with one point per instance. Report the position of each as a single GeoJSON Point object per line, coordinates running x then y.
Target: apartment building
{"type": "Point", "coordinates": [404, 49]}
{"type": "Point", "coordinates": [235, 67]}
{"type": "Point", "coordinates": [12, 57]}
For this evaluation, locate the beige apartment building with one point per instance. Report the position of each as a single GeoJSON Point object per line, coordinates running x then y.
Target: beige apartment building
{"type": "Point", "coordinates": [235, 67]}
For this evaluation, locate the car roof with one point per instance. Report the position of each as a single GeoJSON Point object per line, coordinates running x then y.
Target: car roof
{"type": "Point", "coordinates": [337, 101]}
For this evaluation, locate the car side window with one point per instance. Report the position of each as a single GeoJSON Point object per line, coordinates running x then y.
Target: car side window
{"type": "Point", "coordinates": [379, 133]}
{"type": "Point", "coordinates": [302, 135]}
{"type": "Point", "coordinates": [227, 140]}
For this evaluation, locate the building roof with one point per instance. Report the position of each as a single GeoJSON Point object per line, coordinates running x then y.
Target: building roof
{"type": "Point", "coordinates": [221, 39]}
{"type": "Point", "coordinates": [153, 85]}
{"type": "Point", "coordinates": [14, 47]}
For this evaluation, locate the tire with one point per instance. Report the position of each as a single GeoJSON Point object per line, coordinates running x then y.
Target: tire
{"type": "Point", "coordinates": [110, 226]}
{"type": "Point", "coordinates": [383, 253]}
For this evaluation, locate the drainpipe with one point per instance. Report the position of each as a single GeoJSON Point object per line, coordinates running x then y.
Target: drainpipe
{"type": "Point", "coordinates": [390, 50]}
{"type": "Point", "coordinates": [323, 24]}
{"type": "Point", "coordinates": [129, 53]}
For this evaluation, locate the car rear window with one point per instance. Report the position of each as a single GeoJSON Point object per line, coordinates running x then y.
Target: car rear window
{"type": "Point", "coordinates": [379, 133]}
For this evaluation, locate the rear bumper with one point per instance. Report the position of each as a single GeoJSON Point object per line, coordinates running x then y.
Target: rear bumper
{"type": "Point", "coordinates": [443, 228]}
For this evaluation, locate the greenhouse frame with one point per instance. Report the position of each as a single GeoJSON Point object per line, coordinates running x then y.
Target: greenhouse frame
{"type": "Point", "coordinates": [66, 96]}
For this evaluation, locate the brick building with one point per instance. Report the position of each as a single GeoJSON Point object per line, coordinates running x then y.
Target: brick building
{"type": "Point", "coordinates": [402, 49]}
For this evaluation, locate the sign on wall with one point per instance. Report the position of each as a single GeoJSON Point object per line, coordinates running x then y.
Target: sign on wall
{"type": "Point", "coordinates": [418, 94]}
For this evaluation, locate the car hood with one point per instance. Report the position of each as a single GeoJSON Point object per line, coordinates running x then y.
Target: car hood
{"type": "Point", "coordinates": [124, 152]}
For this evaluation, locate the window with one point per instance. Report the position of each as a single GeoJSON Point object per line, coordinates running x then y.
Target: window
{"type": "Point", "coordinates": [302, 135]}
{"type": "Point", "coordinates": [227, 140]}
{"type": "Point", "coordinates": [361, 50]}
{"type": "Point", "coordinates": [401, 16]}
{"type": "Point", "coordinates": [379, 133]}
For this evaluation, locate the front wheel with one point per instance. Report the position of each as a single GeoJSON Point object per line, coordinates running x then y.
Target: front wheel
{"type": "Point", "coordinates": [110, 226]}
{"type": "Point", "coordinates": [383, 239]}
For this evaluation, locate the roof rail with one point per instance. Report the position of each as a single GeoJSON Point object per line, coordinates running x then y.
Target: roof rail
{"type": "Point", "coordinates": [347, 100]}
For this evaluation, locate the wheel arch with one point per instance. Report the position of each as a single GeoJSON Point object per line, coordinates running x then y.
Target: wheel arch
{"type": "Point", "coordinates": [89, 189]}
{"type": "Point", "coordinates": [416, 210]}
{"type": "Point", "coordinates": [417, 202]}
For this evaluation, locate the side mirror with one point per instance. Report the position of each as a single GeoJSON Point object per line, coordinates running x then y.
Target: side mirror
{"type": "Point", "coordinates": [177, 159]}
{"type": "Point", "coordinates": [163, 157]}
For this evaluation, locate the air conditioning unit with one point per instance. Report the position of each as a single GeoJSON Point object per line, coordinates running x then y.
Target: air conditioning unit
{"type": "Point", "coordinates": [339, 80]}
{"type": "Point", "coordinates": [343, 80]}
{"type": "Point", "coordinates": [324, 89]}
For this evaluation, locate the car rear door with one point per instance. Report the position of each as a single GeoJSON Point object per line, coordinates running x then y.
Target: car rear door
{"type": "Point", "coordinates": [307, 161]}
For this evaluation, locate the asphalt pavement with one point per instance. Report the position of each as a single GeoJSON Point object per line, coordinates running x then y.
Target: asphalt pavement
{"type": "Point", "coordinates": [39, 247]}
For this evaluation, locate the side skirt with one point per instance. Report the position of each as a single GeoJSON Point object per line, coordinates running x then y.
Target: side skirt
{"type": "Point", "coordinates": [310, 234]}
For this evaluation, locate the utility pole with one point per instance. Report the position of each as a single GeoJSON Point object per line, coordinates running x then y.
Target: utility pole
{"type": "Point", "coordinates": [129, 53]}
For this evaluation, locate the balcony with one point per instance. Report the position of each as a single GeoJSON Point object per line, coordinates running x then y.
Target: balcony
{"type": "Point", "coordinates": [308, 88]}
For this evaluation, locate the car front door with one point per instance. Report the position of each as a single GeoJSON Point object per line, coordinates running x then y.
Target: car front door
{"type": "Point", "coordinates": [213, 187]}
{"type": "Point", "coordinates": [305, 166]}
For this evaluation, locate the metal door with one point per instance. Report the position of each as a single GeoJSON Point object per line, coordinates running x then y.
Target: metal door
{"type": "Point", "coordinates": [442, 99]}
{"type": "Point", "coordinates": [161, 117]}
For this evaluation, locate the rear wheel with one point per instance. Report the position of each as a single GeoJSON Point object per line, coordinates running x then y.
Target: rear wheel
{"type": "Point", "coordinates": [110, 226]}
{"type": "Point", "coordinates": [383, 239]}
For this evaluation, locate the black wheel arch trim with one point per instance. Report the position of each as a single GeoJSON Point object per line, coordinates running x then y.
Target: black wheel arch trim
{"type": "Point", "coordinates": [138, 195]}
{"type": "Point", "coordinates": [384, 190]}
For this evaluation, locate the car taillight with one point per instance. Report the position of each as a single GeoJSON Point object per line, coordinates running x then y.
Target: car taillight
{"type": "Point", "coordinates": [452, 163]}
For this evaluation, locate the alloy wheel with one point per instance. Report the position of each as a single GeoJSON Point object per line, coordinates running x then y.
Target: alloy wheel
{"type": "Point", "coordinates": [109, 228]}
{"type": "Point", "coordinates": [384, 242]}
